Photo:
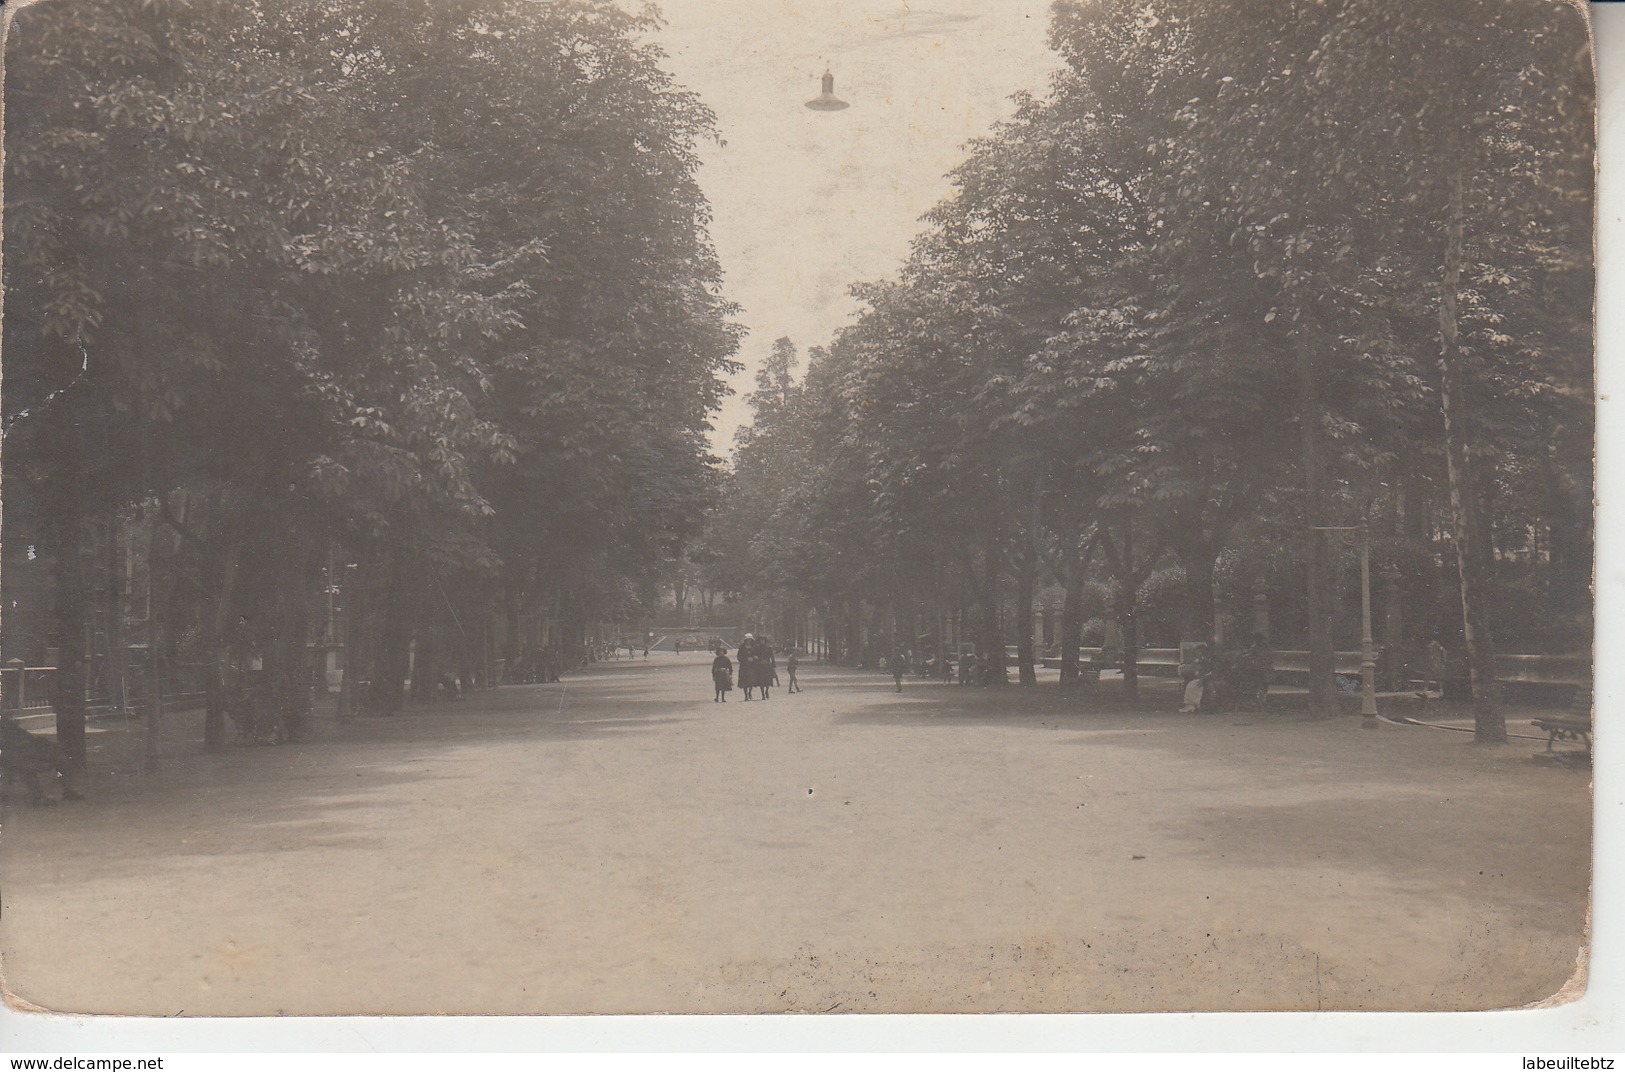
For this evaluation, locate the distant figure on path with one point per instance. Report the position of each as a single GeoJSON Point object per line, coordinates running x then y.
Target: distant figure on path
{"type": "Point", "coordinates": [898, 659]}
{"type": "Point", "coordinates": [790, 665]}
{"type": "Point", "coordinates": [722, 676]}
{"type": "Point", "coordinates": [967, 669]}
{"type": "Point", "coordinates": [767, 670]}
{"type": "Point", "coordinates": [747, 664]}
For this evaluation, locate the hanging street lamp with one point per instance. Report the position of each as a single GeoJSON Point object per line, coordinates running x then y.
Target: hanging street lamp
{"type": "Point", "coordinates": [827, 101]}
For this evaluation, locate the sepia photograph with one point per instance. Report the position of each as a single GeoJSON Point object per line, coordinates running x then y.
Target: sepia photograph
{"type": "Point", "coordinates": [587, 507]}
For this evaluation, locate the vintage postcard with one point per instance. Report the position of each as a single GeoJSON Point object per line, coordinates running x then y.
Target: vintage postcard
{"type": "Point", "coordinates": [541, 507]}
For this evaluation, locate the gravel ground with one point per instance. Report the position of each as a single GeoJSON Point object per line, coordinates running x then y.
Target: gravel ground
{"type": "Point", "coordinates": [620, 843]}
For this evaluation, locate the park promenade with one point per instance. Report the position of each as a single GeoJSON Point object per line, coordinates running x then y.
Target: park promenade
{"type": "Point", "coordinates": [619, 843]}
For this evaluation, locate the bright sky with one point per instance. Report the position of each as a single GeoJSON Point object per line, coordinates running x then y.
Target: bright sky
{"type": "Point", "coordinates": [808, 202]}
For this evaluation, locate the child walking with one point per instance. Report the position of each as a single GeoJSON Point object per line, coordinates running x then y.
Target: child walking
{"type": "Point", "coordinates": [722, 676]}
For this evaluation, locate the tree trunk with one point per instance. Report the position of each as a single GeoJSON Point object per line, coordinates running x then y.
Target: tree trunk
{"type": "Point", "coordinates": [1071, 618]}
{"type": "Point", "coordinates": [1570, 541]}
{"type": "Point", "coordinates": [514, 642]}
{"type": "Point", "coordinates": [990, 638]}
{"type": "Point", "coordinates": [349, 608]}
{"type": "Point", "coordinates": [1128, 576]}
{"type": "Point", "coordinates": [289, 652]}
{"type": "Point", "coordinates": [1395, 651]}
{"type": "Point", "coordinates": [160, 563]}
{"type": "Point", "coordinates": [902, 627]}
{"type": "Point", "coordinates": [1489, 723]}
{"type": "Point", "coordinates": [1393, 631]}
{"type": "Point", "coordinates": [426, 661]}
{"type": "Point", "coordinates": [679, 594]}
{"type": "Point", "coordinates": [1196, 623]}
{"type": "Point", "coordinates": [68, 688]}
{"type": "Point", "coordinates": [1126, 609]}
{"type": "Point", "coordinates": [853, 638]}
{"type": "Point", "coordinates": [1322, 686]}
{"type": "Point", "coordinates": [393, 635]}
{"type": "Point", "coordinates": [1026, 582]}
{"type": "Point", "coordinates": [117, 610]}
{"type": "Point", "coordinates": [990, 633]}
{"type": "Point", "coordinates": [155, 688]}
{"type": "Point", "coordinates": [216, 688]}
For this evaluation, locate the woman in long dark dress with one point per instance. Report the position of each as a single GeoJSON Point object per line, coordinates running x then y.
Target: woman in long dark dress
{"type": "Point", "coordinates": [747, 665]}
{"type": "Point", "coordinates": [767, 670]}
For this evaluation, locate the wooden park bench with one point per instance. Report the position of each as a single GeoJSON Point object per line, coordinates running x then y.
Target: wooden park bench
{"type": "Point", "coordinates": [1573, 725]}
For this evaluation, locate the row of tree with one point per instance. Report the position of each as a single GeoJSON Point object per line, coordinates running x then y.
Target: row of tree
{"type": "Point", "coordinates": [1247, 272]}
{"type": "Point", "coordinates": [417, 293]}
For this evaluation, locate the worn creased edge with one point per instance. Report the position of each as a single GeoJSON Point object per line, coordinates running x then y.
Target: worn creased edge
{"type": "Point", "coordinates": [14, 1001]}
{"type": "Point", "coordinates": [1574, 988]}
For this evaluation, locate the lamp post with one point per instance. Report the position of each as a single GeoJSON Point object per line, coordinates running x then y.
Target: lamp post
{"type": "Point", "coordinates": [1368, 647]}
{"type": "Point", "coordinates": [347, 674]}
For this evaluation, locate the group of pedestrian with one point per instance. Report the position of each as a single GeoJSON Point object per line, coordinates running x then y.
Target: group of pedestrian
{"type": "Point", "coordinates": [758, 669]}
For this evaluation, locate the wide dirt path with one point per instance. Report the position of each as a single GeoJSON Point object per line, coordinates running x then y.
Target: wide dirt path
{"type": "Point", "coordinates": [622, 844]}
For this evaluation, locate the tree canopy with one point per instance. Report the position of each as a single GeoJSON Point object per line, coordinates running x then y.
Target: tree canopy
{"type": "Point", "coordinates": [427, 282]}
{"type": "Point", "coordinates": [1188, 307]}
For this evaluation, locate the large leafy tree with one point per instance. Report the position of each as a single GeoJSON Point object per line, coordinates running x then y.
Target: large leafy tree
{"type": "Point", "coordinates": [427, 280]}
{"type": "Point", "coordinates": [1201, 295]}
